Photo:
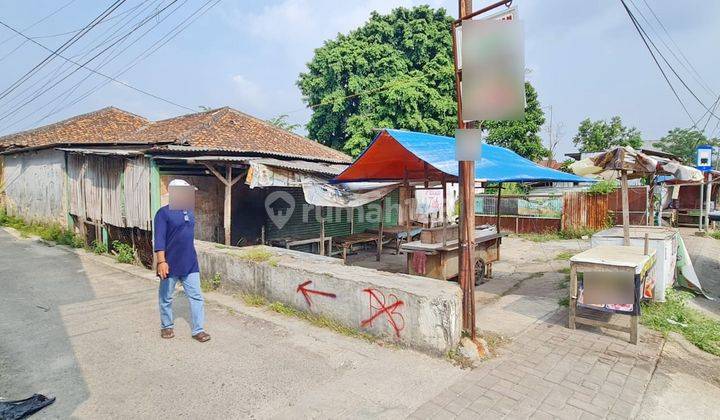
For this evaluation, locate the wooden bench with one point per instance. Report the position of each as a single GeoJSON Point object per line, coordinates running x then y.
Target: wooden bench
{"type": "Point", "coordinates": [292, 242]}
{"type": "Point", "coordinates": [346, 242]}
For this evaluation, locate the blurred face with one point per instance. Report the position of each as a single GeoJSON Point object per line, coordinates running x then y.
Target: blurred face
{"type": "Point", "coordinates": [182, 197]}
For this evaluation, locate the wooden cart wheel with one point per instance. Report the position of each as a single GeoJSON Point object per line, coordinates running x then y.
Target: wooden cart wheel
{"type": "Point", "coordinates": [479, 271]}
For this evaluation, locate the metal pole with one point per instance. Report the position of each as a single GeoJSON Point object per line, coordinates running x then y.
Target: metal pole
{"type": "Point", "coordinates": [497, 208]}
{"type": "Point", "coordinates": [708, 199]}
{"type": "Point", "coordinates": [700, 216]}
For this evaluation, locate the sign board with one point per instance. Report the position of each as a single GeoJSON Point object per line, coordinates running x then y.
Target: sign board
{"type": "Point", "coordinates": [468, 144]}
{"type": "Point", "coordinates": [704, 158]}
{"type": "Point", "coordinates": [508, 14]}
{"type": "Point", "coordinates": [493, 68]}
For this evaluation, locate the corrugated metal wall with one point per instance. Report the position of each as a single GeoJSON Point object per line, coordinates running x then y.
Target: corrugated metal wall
{"type": "Point", "coordinates": [303, 223]}
{"type": "Point", "coordinates": [136, 185]}
{"type": "Point", "coordinates": [98, 190]}
{"type": "Point", "coordinates": [35, 186]}
{"type": "Point", "coordinates": [638, 202]}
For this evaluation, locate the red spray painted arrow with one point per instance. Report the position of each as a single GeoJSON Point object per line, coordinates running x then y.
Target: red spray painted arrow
{"type": "Point", "coordinates": [302, 288]}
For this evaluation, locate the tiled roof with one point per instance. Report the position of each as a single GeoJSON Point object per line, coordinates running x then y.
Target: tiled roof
{"type": "Point", "coordinates": [226, 129]}
{"type": "Point", "coordinates": [107, 125]}
{"type": "Point", "coordinates": [222, 129]}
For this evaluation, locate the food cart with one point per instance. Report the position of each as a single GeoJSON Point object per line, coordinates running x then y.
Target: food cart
{"type": "Point", "coordinates": [662, 239]}
{"type": "Point", "coordinates": [439, 260]}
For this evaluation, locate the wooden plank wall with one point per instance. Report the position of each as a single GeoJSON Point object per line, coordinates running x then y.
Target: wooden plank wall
{"type": "Point", "coordinates": [583, 210]}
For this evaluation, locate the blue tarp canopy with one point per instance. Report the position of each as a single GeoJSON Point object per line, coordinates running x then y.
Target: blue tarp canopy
{"type": "Point", "coordinates": [396, 155]}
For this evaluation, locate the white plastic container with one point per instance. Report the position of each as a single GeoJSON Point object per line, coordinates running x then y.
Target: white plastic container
{"type": "Point", "coordinates": [662, 240]}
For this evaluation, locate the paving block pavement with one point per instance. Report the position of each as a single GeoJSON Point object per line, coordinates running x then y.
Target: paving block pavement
{"type": "Point", "coordinates": [553, 372]}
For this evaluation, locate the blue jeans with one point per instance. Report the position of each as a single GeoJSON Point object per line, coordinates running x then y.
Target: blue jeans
{"type": "Point", "coordinates": [191, 285]}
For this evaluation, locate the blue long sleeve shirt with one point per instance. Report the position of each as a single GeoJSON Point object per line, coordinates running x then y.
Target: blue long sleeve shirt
{"type": "Point", "coordinates": [174, 233]}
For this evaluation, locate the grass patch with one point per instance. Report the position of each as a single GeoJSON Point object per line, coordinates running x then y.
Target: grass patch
{"type": "Point", "coordinates": [213, 283]}
{"type": "Point", "coordinates": [320, 321]}
{"type": "Point", "coordinates": [124, 253]}
{"type": "Point", "coordinates": [253, 300]}
{"type": "Point", "coordinates": [257, 255]}
{"type": "Point", "coordinates": [47, 231]}
{"type": "Point", "coordinates": [99, 247]}
{"type": "Point", "coordinates": [715, 234]}
{"type": "Point", "coordinates": [564, 256]}
{"type": "Point", "coordinates": [564, 301]}
{"type": "Point", "coordinates": [572, 233]}
{"type": "Point", "coordinates": [674, 315]}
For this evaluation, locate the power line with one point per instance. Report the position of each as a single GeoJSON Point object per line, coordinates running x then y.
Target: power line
{"type": "Point", "coordinates": [62, 48]}
{"type": "Point", "coordinates": [53, 13]}
{"type": "Point", "coordinates": [84, 65]}
{"type": "Point", "coordinates": [112, 79]}
{"type": "Point", "coordinates": [694, 75]}
{"type": "Point", "coordinates": [672, 40]}
{"type": "Point", "coordinates": [67, 93]}
{"type": "Point", "coordinates": [662, 71]}
{"type": "Point", "coordinates": [175, 31]}
{"type": "Point", "coordinates": [61, 68]}
{"type": "Point", "coordinates": [667, 63]}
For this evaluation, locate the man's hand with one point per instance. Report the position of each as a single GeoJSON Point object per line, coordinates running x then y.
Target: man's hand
{"type": "Point", "coordinates": [163, 269]}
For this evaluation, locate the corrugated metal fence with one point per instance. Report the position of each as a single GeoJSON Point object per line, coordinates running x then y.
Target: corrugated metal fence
{"type": "Point", "coordinates": [544, 213]}
{"type": "Point", "coordinates": [583, 210]}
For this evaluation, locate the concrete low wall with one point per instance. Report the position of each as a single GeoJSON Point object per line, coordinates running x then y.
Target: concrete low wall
{"type": "Point", "coordinates": [421, 313]}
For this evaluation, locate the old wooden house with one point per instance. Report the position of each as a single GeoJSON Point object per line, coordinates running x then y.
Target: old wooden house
{"type": "Point", "coordinates": [105, 174]}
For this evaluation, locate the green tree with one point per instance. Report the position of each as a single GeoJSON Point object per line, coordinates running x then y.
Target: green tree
{"type": "Point", "coordinates": [397, 71]}
{"type": "Point", "coordinates": [394, 71]}
{"type": "Point", "coordinates": [522, 135]}
{"type": "Point", "coordinates": [281, 122]}
{"type": "Point", "coordinates": [596, 136]}
{"type": "Point", "coordinates": [682, 143]}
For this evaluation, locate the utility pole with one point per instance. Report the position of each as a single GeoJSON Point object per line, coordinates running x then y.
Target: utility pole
{"type": "Point", "coordinates": [466, 174]}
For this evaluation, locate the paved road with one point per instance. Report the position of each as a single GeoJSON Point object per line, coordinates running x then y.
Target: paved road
{"type": "Point", "coordinates": [88, 333]}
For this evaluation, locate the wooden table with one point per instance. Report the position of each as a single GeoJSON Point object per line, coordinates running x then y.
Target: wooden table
{"type": "Point", "coordinates": [442, 260]}
{"type": "Point", "coordinates": [396, 233]}
{"type": "Point", "coordinates": [346, 242]}
{"type": "Point", "coordinates": [611, 258]}
{"type": "Point", "coordinates": [290, 242]}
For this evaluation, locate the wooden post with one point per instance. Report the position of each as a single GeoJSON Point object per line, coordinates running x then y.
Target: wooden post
{"type": "Point", "coordinates": [228, 181]}
{"type": "Point", "coordinates": [380, 228]}
{"type": "Point", "coordinates": [407, 222]}
{"type": "Point", "coordinates": [227, 209]}
{"type": "Point", "coordinates": [573, 296]}
{"type": "Point", "coordinates": [322, 231]}
{"type": "Point", "coordinates": [647, 244]}
{"type": "Point", "coordinates": [444, 210]}
{"type": "Point", "coordinates": [351, 215]}
{"type": "Point", "coordinates": [625, 208]}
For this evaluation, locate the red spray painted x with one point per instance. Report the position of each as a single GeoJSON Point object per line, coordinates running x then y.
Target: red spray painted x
{"type": "Point", "coordinates": [395, 318]}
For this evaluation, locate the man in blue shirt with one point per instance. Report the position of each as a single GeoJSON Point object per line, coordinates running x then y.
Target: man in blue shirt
{"type": "Point", "coordinates": [174, 234]}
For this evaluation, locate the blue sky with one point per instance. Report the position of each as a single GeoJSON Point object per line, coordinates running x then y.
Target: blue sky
{"type": "Point", "coordinates": [585, 58]}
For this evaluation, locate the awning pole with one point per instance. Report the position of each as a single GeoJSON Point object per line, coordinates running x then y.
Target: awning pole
{"type": "Point", "coordinates": [380, 228]}
{"type": "Point", "coordinates": [444, 210]}
{"type": "Point", "coordinates": [497, 209]}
